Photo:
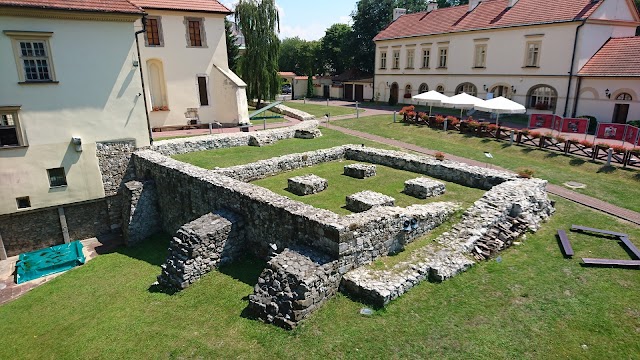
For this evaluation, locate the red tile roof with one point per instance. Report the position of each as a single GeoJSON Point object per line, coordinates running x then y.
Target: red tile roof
{"type": "Point", "coordinates": [287, 73]}
{"type": "Point", "coordinates": [184, 5]}
{"type": "Point", "coordinates": [618, 57]}
{"type": "Point", "coordinates": [108, 6]}
{"type": "Point", "coordinates": [488, 14]}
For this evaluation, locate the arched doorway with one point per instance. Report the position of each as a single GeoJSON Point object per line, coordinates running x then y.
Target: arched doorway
{"type": "Point", "coordinates": [621, 110]}
{"type": "Point", "coordinates": [393, 97]}
{"type": "Point", "coordinates": [542, 97]}
{"type": "Point", "coordinates": [468, 88]}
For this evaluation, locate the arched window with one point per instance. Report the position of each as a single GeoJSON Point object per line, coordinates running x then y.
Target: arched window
{"type": "Point", "coordinates": [468, 88]}
{"type": "Point", "coordinates": [440, 89]}
{"type": "Point", "coordinates": [624, 97]}
{"type": "Point", "coordinates": [542, 97]}
{"type": "Point", "coordinates": [157, 86]}
{"type": "Point", "coordinates": [423, 88]}
{"type": "Point", "coordinates": [501, 90]}
{"type": "Point", "coordinates": [407, 90]}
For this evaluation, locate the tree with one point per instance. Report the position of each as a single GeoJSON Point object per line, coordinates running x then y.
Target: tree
{"type": "Point", "coordinates": [290, 52]}
{"type": "Point", "coordinates": [369, 18]}
{"type": "Point", "coordinates": [310, 86]}
{"type": "Point", "coordinates": [335, 49]}
{"type": "Point", "coordinates": [259, 22]}
{"type": "Point", "coordinates": [233, 49]}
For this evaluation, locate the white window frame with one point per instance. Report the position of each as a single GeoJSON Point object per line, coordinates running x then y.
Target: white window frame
{"type": "Point", "coordinates": [13, 111]}
{"type": "Point", "coordinates": [443, 54]}
{"type": "Point", "coordinates": [426, 58]}
{"type": "Point", "coordinates": [396, 59]}
{"type": "Point", "coordinates": [411, 54]}
{"type": "Point", "coordinates": [383, 60]}
{"type": "Point", "coordinates": [532, 54]}
{"type": "Point", "coordinates": [19, 37]}
{"type": "Point", "coordinates": [480, 58]}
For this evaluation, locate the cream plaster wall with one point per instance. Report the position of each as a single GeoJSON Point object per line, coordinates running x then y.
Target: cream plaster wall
{"type": "Point", "coordinates": [594, 102]}
{"type": "Point", "coordinates": [96, 99]}
{"type": "Point", "coordinates": [182, 65]}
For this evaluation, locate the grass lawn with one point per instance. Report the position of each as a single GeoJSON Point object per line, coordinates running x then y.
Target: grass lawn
{"type": "Point", "coordinates": [318, 109]}
{"type": "Point", "coordinates": [614, 185]}
{"type": "Point", "coordinates": [247, 154]}
{"type": "Point", "coordinates": [533, 305]}
{"type": "Point", "coordinates": [388, 181]}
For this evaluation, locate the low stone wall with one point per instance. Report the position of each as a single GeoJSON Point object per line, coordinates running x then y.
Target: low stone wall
{"type": "Point", "coordinates": [140, 216]}
{"type": "Point", "coordinates": [295, 283]}
{"type": "Point", "coordinates": [221, 141]}
{"type": "Point", "coordinates": [115, 165]}
{"type": "Point", "coordinates": [199, 247]}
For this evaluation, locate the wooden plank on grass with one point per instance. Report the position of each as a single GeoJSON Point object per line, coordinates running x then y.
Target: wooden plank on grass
{"type": "Point", "coordinates": [631, 247]}
{"type": "Point", "coordinates": [566, 245]}
{"type": "Point", "coordinates": [599, 231]}
{"type": "Point", "coordinates": [613, 262]}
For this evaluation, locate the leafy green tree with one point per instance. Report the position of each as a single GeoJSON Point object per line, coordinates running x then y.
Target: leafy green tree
{"type": "Point", "coordinates": [233, 49]}
{"type": "Point", "coordinates": [310, 86]}
{"type": "Point", "coordinates": [369, 18]}
{"type": "Point", "coordinates": [259, 22]}
{"type": "Point", "coordinates": [335, 51]}
{"type": "Point", "coordinates": [290, 52]}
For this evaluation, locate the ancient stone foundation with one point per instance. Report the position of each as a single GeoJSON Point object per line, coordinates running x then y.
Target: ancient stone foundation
{"type": "Point", "coordinates": [365, 200]}
{"type": "Point", "coordinates": [308, 133]}
{"type": "Point", "coordinates": [423, 188]}
{"type": "Point", "coordinates": [307, 185]}
{"type": "Point", "coordinates": [360, 171]}
{"type": "Point", "coordinates": [295, 283]}
{"type": "Point", "coordinates": [199, 247]}
{"type": "Point", "coordinates": [140, 216]}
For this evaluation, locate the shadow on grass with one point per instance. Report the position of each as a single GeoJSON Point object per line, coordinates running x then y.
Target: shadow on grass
{"type": "Point", "coordinates": [636, 177]}
{"type": "Point", "coordinates": [577, 162]}
{"type": "Point", "coordinates": [246, 270]}
{"type": "Point", "coordinates": [152, 250]}
{"type": "Point", "coordinates": [528, 150]}
{"type": "Point", "coordinates": [607, 169]}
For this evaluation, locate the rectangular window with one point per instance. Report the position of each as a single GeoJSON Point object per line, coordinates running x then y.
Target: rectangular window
{"type": "Point", "coordinates": [480, 56]}
{"type": "Point", "coordinates": [195, 32]}
{"type": "Point", "coordinates": [10, 134]}
{"type": "Point", "coordinates": [410, 57]}
{"type": "Point", "coordinates": [442, 63]}
{"type": "Point", "coordinates": [33, 55]}
{"type": "Point", "coordinates": [203, 91]}
{"type": "Point", "coordinates": [396, 59]}
{"type": "Point", "coordinates": [383, 60]}
{"type": "Point", "coordinates": [426, 57]}
{"type": "Point", "coordinates": [57, 177]}
{"type": "Point", "coordinates": [23, 202]}
{"type": "Point", "coordinates": [533, 54]}
{"type": "Point", "coordinates": [154, 32]}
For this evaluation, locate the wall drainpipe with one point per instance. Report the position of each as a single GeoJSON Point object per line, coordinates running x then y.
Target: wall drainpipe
{"type": "Point", "coordinates": [573, 59]}
{"type": "Point", "coordinates": [575, 103]}
{"type": "Point", "coordinates": [144, 92]}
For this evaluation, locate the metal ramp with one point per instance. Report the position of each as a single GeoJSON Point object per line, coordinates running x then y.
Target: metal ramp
{"type": "Point", "coordinates": [253, 116]}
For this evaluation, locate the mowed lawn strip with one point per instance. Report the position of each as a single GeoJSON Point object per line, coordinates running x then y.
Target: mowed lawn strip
{"type": "Point", "coordinates": [318, 110]}
{"type": "Point", "coordinates": [533, 304]}
{"type": "Point", "coordinates": [388, 181]}
{"type": "Point", "coordinates": [617, 186]}
{"type": "Point", "coordinates": [247, 154]}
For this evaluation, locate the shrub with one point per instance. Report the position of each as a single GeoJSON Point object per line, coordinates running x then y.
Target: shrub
{"type": "Point", "coordinates": [574, 141]}
{"type": "Point", "coordinates": [561, 139]}
{"type": "Point", "coordinates": [548, 135]}
{"type": "Point", "coordinates": [423, 116]}
{"type": "Point", "coordinates": [407, 109]}
{"type": "Point", "coordinates": [524, 131]}
{"type": "Point", "coordinates": [439, 119]}
{"type": "Point", "coordinates": [439, 155]}
{"type": "Point", "coordinates": [492, 127]}
{"type": "Point", "coordinates": [635, 151]}
{"type": "Point", "coordinates": [619, 149]}
{"type": "Point", "coordinates": [473, 124]}
{"type": "Point", "coordinates": [593, 123]}
{"type": "Point", "coordinates": [535, 135]}
{"type": "Point", "coordinates": [586, 143]}
{"type": "Point", "coordinates": [526, 173]}
{"type": "Point", "coordinates": [411, 114]}
{"type": "Point", "coordinates": [635, 123]}
{"type": "Point", "coordinates": [603, 146]}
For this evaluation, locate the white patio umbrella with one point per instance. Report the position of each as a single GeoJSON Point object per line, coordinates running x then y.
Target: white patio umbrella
{"type": "Point", "coordinates": [501, 105]}
{"type": "Point", "coordinates": [462, 101]}
{"type": "Point", "coordinates": [431, 98]}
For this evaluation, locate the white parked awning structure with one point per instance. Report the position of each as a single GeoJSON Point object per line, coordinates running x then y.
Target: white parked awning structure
{"type": "Point", "coordinates": [501, 105]}
{"type": "Point", "coordinates": [431, 98]}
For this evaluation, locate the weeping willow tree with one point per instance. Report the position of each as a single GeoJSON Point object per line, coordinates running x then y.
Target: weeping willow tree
{"type": "Point", "coordinates": [259, 22]}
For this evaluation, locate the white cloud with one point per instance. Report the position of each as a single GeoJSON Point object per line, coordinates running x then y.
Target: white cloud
{"type": "Point", "coordinates": [345, 20]}
{"type": "Point", "coordinates": [309, 32]}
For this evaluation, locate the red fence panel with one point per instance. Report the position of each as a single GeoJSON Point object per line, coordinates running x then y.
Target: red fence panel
{"type": "Point", "coordinates": [632, 135]}
{"type": "Point", "coordinates": [542, 121]}
{"type": "Point", "coordinates": [576, 126]}
{"type": "Point", "coordinates": [611, 131]}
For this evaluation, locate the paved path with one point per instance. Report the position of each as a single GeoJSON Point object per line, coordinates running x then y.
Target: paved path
{"type": "Point", "coordinates": [585, 200]}
{"type": "Point", "coordinates": [257, 126]}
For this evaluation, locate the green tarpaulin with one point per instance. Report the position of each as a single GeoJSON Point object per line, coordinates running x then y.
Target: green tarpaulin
{"type": "Point", "coordinates": [36, 264]}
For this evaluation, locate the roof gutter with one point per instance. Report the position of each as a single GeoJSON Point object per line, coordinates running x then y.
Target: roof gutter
{"type": "Point", "coordinates": [573, 59]}
{"type": "Point", "coordinates": [144, 92]}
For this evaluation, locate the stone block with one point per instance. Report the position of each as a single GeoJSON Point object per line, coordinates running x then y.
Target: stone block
{"type": "Point", "coordinates": [307, 184]}
{"type": "Point", "coordinates": [308, 133]}
{"type": "Point", "coordinates": [423, 188]}
{"type": "Point", "coordinates": [366, 200]}
{"type": "Point", "coordinates": [360, 171]}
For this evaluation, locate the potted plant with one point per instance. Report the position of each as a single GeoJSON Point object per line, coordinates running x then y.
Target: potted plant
{"type": "Point", "coordinates": [439, 156]}
{"type": "Point", "coordinates": [526, 173]}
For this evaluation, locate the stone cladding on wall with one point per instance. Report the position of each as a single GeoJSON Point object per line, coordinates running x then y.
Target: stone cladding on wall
{"type": "Point", "coordinates": [114, 161]}
{"type": "Point", "coordinates": [140, 216]}
{"type": "Point", "coordinates": [295, 283]}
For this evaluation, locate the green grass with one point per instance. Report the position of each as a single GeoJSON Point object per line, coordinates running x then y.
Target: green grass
{"type": "Point", "coordinates": [388, 181]}
{"type": "Point", "coordinates": [318, 110]}
{"type": "Point", "coordinates": [614, 185]}
{"type": "Point", "coordinates": [247, 154]}
{"type": "Point", "coordinates": [533, 305]}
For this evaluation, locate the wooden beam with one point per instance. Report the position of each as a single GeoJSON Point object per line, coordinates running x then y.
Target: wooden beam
{"type": "Point", "coordinates": [566, 245]}
{"type": "Point", "coordinates": [612, 262]}
{"type": "Point", "coordinates": [3, 251]}
{"type": "Point", "coordinates": [63, 225]}
{"type": "Point", "coordinates": [631, 247]}
{"type": "Point", "coordinates": [598, 231]}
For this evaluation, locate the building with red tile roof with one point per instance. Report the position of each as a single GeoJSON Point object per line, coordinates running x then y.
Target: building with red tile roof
{"type": "Point", "coordinates": [533, 51]}
{"type": "Point", "coordinates": [211, 6]}
{"type": "Point", "coordinates": [104, 6]}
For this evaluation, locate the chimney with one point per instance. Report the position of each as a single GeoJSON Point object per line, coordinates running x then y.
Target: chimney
{"type": "Point", "coordinates": [432, 6]}
{"type": "Point", "coordinates": [397, 12]}
{"type": "Point", "coordinates": [474, 4]}
{"type": "Point", "coordinates": [512, 2]}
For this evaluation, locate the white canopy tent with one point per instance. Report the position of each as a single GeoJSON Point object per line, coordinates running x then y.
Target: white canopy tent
{"type": "Point", "coordinates": [463, 101]}
{"type": "Point", "coordinates": [431, 98]}
{"type": "Point", "coordinates": [501, 105]}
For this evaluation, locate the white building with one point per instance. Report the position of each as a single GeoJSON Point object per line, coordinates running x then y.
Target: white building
{"type": "Point", "coordinates": [528, 50]}
{"type": "Point", "coordinates": [184, 57]}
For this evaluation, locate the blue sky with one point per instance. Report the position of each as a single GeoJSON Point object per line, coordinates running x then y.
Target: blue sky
{"type": "Point", "coordinates": [308, 19]}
